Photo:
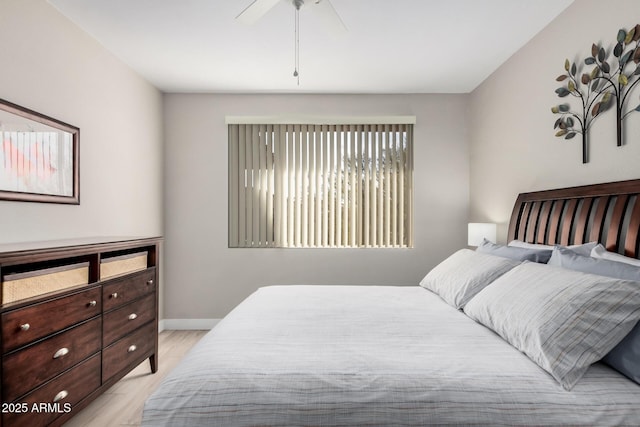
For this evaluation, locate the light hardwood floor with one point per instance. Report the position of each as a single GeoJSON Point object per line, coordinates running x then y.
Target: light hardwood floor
{"type": "Point", "coordinates": [121, 405]}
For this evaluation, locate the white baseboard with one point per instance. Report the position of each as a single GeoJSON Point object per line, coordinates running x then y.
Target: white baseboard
{"type": "Point", "coordinates": [186, 324]}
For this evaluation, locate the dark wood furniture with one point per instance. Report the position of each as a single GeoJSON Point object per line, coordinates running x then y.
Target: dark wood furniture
{"type": "Point", "coordinates": [62, 348]}
{"type": "Point", "coordinates": [607, 213]}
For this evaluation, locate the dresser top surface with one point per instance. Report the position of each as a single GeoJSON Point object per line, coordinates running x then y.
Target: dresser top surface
{"type": "Point", "coordinates": [8, 249]}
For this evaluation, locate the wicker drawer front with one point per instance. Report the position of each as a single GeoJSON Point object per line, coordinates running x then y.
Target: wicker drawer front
{"type": "Point", "coordinates": [124, 320]}
{"type": "Point", "coordinates": [16, 287]}
{"type": "Point", "coordinates": [68, 388]}
{"type": "Point", "coordinates": [125, 264]}
{"type": "Point", "coordinates": [28, 368]}
{"type": "Point", "coordinates": [121, 291]}
{"type": "Point", "coordinates": [129, 351]}
{"type": "Point", "coordinates": [24, 325]}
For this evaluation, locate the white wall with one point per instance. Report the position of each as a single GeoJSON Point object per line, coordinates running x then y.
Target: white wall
{"type": "Point", "coordinates": [205, 279]}
{"type": "Point", "coordinates": [512, 144]}
{"type": "Point", "coordinates": [49, 65]}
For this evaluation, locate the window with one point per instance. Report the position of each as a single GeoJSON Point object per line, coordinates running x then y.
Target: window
{"type": "Point", "coordinates": [340, 185]}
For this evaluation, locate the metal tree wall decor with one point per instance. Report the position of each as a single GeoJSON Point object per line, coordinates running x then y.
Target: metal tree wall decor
{"type": "Point", "coordinates": [587, 89]}
{"type": "Point", "coordinates": [598, 88]}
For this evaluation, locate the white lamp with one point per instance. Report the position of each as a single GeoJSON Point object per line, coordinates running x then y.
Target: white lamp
{"type": "Point", "coordinates": [481, 230]}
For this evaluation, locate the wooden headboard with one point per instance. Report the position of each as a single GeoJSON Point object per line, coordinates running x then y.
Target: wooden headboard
{"type": "Point", "coordinates": [608, 213]}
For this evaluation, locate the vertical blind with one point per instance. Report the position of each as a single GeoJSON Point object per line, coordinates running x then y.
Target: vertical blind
{"type": "Point", "coordinates": [320, 185]}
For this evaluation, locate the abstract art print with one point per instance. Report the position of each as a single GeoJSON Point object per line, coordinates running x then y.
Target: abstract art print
{"type": "Point", "coordinates": [39, 157]}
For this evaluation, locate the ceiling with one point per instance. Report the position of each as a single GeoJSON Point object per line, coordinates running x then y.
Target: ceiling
{"type": "Point", "coordinates": [399, 46]}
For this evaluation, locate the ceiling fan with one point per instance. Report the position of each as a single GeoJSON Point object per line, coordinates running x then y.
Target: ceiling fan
{"type": "Point", "coordinates": [322, 9]}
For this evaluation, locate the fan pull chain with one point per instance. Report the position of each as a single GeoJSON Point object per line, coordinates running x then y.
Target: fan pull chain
{"type": "Point", "coordinates": [296, 74]}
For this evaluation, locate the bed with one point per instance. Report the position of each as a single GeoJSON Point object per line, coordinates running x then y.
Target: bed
{"type": "Point", "coordinates": [413, 356]}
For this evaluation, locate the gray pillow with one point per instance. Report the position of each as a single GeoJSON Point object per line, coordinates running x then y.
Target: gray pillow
{"type": "Point", "coordinates": [462, 275]}
{"type": "Point", "coordinates": [625, 357]}
{"type": "Point", "coordinates": [567, 258]}
{"type": "Point", "coordinates": [563, 320]}
{"type": "Point", "coordinates": [582, 249]}
{"type": "Point", "coordinates": [514, 252]}
{"type": "Point", "coordinates": [600, 251]}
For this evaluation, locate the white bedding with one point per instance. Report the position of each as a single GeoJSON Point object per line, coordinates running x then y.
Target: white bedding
{"type": "Point", "coordinates": [376, 356]}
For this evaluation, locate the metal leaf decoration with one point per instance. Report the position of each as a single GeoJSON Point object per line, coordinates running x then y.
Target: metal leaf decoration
{"type": "Point", "coordinates": [597, 88]}
{"type": "Point", "coordinates": [620, 80]}
{"type": "Point", "coordinates": [571, 122]}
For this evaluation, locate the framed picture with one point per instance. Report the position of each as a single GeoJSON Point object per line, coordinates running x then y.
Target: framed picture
{"type": "Point", "coordinates": [39, 157]}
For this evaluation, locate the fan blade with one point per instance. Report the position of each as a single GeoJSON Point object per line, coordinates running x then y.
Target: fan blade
{"type": "Point", "coordinates": [255, 11]}
{"type": "Point", "coordinates": [325, 11]}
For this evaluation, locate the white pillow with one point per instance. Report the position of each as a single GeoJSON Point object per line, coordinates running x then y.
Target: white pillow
{"type": "Point", "coordinates": [625, 357]}
{"type": "Point", "coordinates": [458, 278]}
{"type": "Point", "coordinates": [582, 249]}
{"type": "Point", "coordinates": [563, 320]}
{"type": "Point", "coordinates": [600, 252]}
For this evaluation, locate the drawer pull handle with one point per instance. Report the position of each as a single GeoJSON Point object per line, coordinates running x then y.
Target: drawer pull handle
{"type": "Point", "coordinates": [62, 352]}
{"type": "Point", "coordinates": [25, 327]}
{"type": "Point", "coordinates": [132, 316]}
{"type": "Point", "coordinates": [150, 282]}
{"type": "Point", "coordinates": [114, 295]}
{"type": "Point", "coordinates": [92, 303]}
{"type": "Point", "coordinates": [132, 348]}
{"type": "Point", "coordinates": [60, 396]}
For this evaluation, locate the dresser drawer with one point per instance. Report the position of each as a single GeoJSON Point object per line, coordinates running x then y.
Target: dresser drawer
{"type": "Point", "coordinates": [124, 320]}
{"type": "Point", "coordinates": [123, 290]}
{"type": "Point", "coordinates": [129, 351]}
{"type": "Point", "coordinates": [32, 366]}
{"type": "Point", "coordinates": [30, 323]}
{"type": "Point", "coordinates": [65, 390]}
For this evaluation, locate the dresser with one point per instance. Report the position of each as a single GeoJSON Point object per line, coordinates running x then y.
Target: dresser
{"type": "Point", "coordinates": [77, 316]}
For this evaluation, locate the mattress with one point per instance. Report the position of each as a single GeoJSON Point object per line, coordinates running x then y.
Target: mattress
{"type": "Point", "coordinates": [374, 356]}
